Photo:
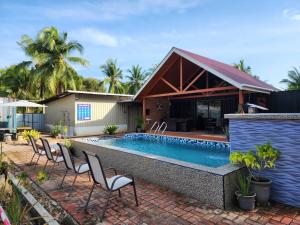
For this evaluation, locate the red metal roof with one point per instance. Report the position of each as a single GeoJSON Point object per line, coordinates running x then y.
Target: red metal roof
{"type": "Point", "coordinates": [230, 72]}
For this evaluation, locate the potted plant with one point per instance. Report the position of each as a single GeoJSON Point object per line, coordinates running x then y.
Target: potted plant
{"type": "Point", "coordinates": [256, 162]}
{"type": "Point", "coordinates": [226, 132]}
{"type": "Point", "coordinates": [110, 130]}
{"type": "Point", "coordinates": [139, 124]}
{"type": "Point", "coordinates": [56, 131]}
{"type": "Point", "coordinates": [245, 197]}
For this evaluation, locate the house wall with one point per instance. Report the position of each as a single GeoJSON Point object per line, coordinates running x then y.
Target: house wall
{"type": "Point", "coordinates": [61, 110]}
{"type": "Point", "coordinates": [159, 110]}
{"type": "Point", "coordinates": [104, 111]}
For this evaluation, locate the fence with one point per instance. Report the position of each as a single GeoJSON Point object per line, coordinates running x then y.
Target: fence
{"type": "Point", "coordinates": [34, 120]}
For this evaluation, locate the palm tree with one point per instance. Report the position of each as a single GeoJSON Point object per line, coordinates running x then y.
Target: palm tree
{"type": "Point", "coordinates": [293, 80]}
{"type": "Point", "coordinates": [113, 76]}
{"type": "Point", "coordinates": [136, 79]}
{"type": "Point", "coordinates": [16, 82]}
{"type": "Point", "coordinates": [92, 84]}
{"type": "Point", "coordinates": [51, 54]}
{"type": "Point", "coordinates": [242, 67]}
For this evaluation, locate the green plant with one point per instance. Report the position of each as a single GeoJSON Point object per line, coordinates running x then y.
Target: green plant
{"type": "Point", "coordinates": [111, 130]}
{"type": "Point", "coordinates": [226, 132]}
{"type": "Point", "coordinates": [68, 143]}
{"type": "Point", "coordinates": [41, 176]}
{"type": "Point", "coordinates": [34, 133]}
{"type": "Point", "coordinates": [139, 122]}
{"type": "Point", "coordinates": [263, 158]}
{"type": "Point", "coordinates": [22, 177]}
{"type": "Point", "coordinates": [56, 130]}
{"type": "Point", "coordinates": [4, 166]}
{"type": "Point", "coordinates": [243, 184]}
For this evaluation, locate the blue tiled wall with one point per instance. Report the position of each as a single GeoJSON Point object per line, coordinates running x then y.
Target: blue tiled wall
{"type": "Point", "coordinates": [285, 136]}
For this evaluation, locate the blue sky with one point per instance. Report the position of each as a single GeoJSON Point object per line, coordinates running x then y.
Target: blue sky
{"type": "Point", "coordinates": [266, 33]}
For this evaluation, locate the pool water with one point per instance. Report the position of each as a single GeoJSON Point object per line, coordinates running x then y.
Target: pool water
{"type": "Point", "coordinates": [209, 154]}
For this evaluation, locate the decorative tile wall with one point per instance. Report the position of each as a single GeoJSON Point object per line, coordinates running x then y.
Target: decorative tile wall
{"type": "Point", "coordinates": [284, 135]}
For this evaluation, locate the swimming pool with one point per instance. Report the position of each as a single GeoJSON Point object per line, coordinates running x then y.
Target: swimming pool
{"type": "Point", "coordinates": [207, 153]}
{"type": "Point", "coordinates": [196, 168]}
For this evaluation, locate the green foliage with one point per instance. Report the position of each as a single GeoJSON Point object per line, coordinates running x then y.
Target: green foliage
{"type": "Point", "coordinates": [57, 129]}
{"type": "Point", "coordinates": [243, 183]}
{"type": "Point", "coordinates": [263, 158]}
{"type": "Point", "coordinates": [136, 79]}
{"type": "Point", "coordinates": [41, 177]}
{"type": "Point", "coordinates": [113, 76]}
{"type": "Point", "coordinates": [4, 167]}
{"type": "Point", "coordinates": [68, 143]}
{"type": "Point", "coordinates": [111, 129]}
{"type": "Point", "coordinates": [34, 133]}
{"type": "Point", "coordinates": [22, 177]}
{"type": "Point", "coordinates": [293, 80]}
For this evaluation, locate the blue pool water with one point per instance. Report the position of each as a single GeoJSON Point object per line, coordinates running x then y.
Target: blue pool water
{"type": "Point", "coordinates": [211, 154]}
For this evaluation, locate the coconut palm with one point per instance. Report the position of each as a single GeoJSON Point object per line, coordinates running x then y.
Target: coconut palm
{"type": "Point", "coordinates": [113, 76]}
{"type": "Point", "coordinates": [92, 84]}
{"type": "Point", "coordinates": [242, 67]}
{"type": "Point", "coordinates": [136, 79]}
{"type": "Point", "coordinates": [293, 80]}
{"type": "Point", "coordinates": [16, 82]}
{"type": "Point", "coordinates": [51, 53]}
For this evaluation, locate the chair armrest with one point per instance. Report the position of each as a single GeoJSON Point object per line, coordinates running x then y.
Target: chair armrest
{"type": "Point", "coordinates": [120, 176]}
{"type": "Point", "coordinates": [111, 168]}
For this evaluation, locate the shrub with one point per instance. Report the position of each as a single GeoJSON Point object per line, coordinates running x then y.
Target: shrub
{"type": "Point", "coordinates": [68, 143]}
{"type": "Point", "coordinates": [139, 122]}
{"type": "Point", "coordinates": [34, 133]}
{"type": "Point", "coordinates": [263, 158]}
{"type": "Point", "coordinates": [111, 130]}
{"type": "Point", "coordinates": [243, 184]}
{"type": "Point", "coordinates": [56, 130]}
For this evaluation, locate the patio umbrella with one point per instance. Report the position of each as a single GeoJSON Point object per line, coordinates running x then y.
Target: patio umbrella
{"type": "Point", "coordinates": [25, 104]}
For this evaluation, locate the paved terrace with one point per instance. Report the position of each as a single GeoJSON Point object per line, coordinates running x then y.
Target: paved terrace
{"type": "Point", "coordinates": [157, 205]}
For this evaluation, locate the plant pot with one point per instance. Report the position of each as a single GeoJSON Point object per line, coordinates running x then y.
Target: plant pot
{"type": "Point", "coordinates": [262, 188]}
{"type": "Point", "coordinates": [246, 202]}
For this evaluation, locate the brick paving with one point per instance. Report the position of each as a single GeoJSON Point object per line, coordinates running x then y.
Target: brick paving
{"type": "Point", "coordinates": [158, 205]}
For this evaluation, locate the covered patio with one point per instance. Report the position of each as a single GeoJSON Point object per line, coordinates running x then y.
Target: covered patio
{"type": "Point", "coordinates": [192, 93]}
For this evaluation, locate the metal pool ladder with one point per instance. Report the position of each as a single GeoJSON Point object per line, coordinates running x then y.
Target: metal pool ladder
{"type": "Point", "coordinates": [157, 127]}
{"type": "Point", "coordinates": [161, 126]}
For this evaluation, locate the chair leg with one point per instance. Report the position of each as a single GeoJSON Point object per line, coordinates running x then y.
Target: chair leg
{"type": "Point", "coordinates": [37, 160]}
{"type": "Point", "coordinates": [31, 159]}
{"type": "Point", "coordinates": [105, 207]}
{"type": "Point", "coordinates": [135, 195]}
{"type": "Point", "coordinates": [74, 180]}
{"type": "Point", "coordinates": [45, 165]}
{"type": "Point", "coordinates": [62, 182]}
{"type": "Point", "coordinates": [89, 176]}
{"type": "Point", "coordinates": [89, 198]}
{"type": "Point", "coordinates": [120, 195]}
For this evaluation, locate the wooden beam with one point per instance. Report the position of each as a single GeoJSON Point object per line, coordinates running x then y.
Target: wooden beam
{"type": "Point", "coordinates": [181, 78]}
{"type": "Point", "coordinates": [195, 79]}
{"type": "Point", "coordinates": [206, 80]}
{"type": "Point", "coordinates": [241, 97]}
{"type": "Point", "coordinates": [165, 68]}
{"type": "Point", "coordinates": [193, 91]}
{"type": "Point", "coordinates": [206, 95]}
{"type": "Point", "coordinates": [169, 84]}
{"type": "Point", "coordinates": [144, 112]}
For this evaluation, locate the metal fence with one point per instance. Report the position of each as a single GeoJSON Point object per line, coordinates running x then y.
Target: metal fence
{"type": "Point", "coordinates": [34, 120]}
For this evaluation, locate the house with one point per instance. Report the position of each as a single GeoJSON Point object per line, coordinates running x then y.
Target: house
{"type": "Point", "coordinates": [191, 92]}
{"type": "Point", "coordinates": [88, 113]}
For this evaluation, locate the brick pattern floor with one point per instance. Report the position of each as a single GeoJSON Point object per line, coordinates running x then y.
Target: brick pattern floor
{"type": "Point", "coordinates": [157, 204]}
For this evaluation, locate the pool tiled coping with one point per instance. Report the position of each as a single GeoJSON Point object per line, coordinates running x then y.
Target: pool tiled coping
{"type": "Point", "coordinates": [222, 170]}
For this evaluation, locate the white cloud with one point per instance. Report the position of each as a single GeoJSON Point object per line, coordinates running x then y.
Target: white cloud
{"type": "Point", "coordinates": [97, 37]}
{"type": "Point", "coordinates": [118, 9]}
{"type": "Point", "coordinates": [291, 14]}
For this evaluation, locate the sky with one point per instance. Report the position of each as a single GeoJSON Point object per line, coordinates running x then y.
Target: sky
{"type": "Point", "coordinates": [265, 33]}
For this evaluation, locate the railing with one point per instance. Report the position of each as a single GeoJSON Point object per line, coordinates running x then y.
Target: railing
{"type": "Point", "coordinates": [160, 127]}
{"type": "Point", "coordinates": [154, 124]}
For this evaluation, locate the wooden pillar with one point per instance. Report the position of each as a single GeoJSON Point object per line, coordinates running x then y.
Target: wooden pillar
{"type": "Point", "coordinates": [206, 79]}
{"type": "Point", "coordinates": [144, 112]}
{"type": "Point", "coordinates": [241, 102]}
{"type": "Point", "coordinates": [181, 78]}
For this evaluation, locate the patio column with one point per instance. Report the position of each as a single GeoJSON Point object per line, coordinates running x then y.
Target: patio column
{"type": "Point", "coordinates": [241, 101]}
{"type": "Point", "coordinates": [144, 112]}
